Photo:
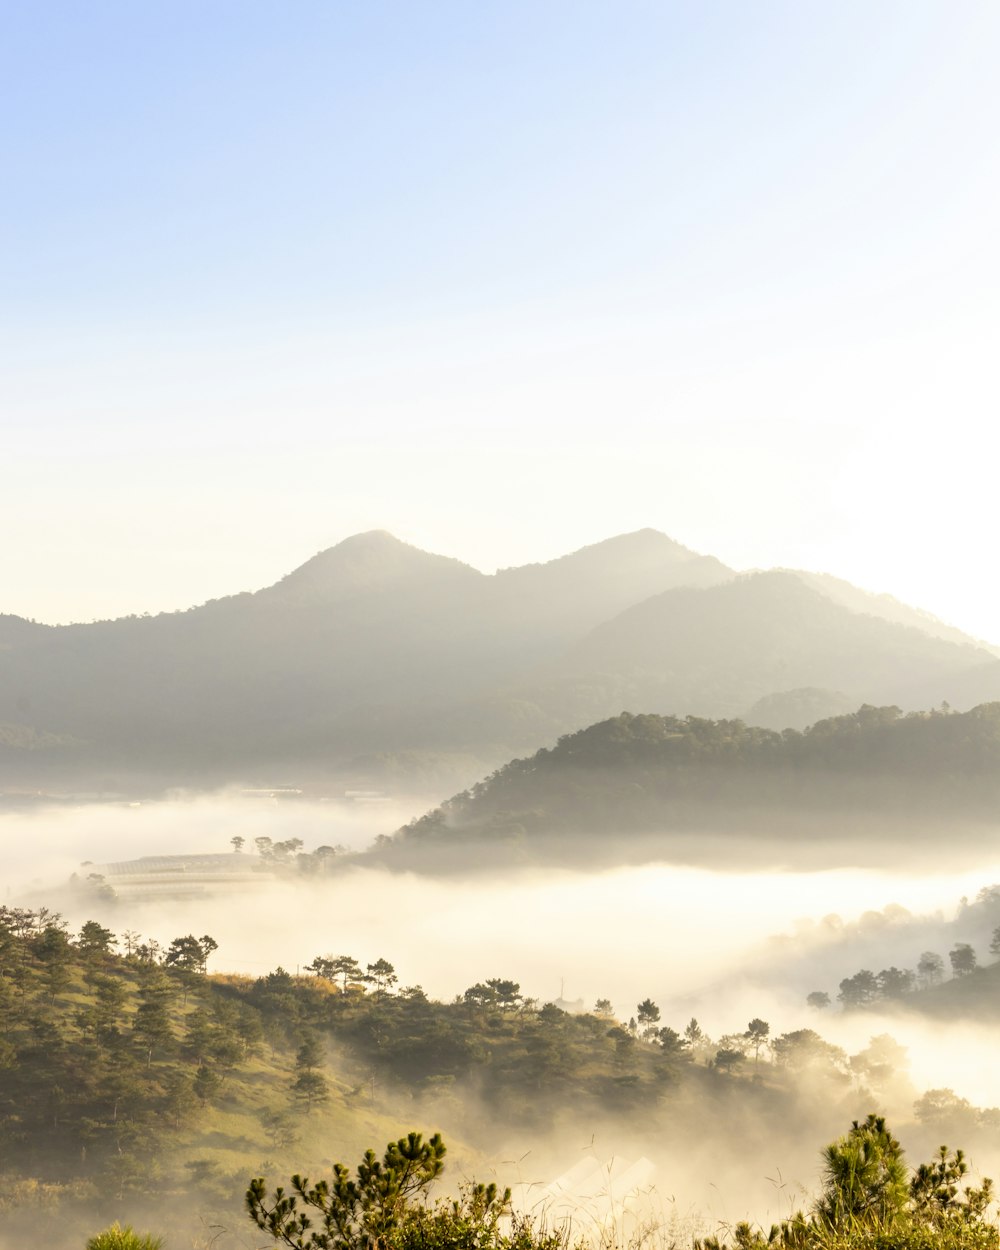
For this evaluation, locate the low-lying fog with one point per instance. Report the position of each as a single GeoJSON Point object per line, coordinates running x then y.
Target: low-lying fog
{"type": "Point", "coordinates": [695, 941]}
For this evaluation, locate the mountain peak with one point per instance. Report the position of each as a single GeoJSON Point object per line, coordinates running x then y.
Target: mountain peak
{"type": "Point", "coordinates": [643, 542]}
{"type": "Point", "coordinates": [638, 548]}
{"type": "Point", "coordinates": [371, 561]}
{"type": "Point", "coordinates": [371, 539]}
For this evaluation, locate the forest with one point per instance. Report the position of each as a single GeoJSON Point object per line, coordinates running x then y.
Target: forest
{"type": "Point", "coordinates": [875, 770]}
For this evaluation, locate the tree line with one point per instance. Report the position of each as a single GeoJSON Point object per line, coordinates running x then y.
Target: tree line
{"type": "Point", "coordinates": [646, 772]}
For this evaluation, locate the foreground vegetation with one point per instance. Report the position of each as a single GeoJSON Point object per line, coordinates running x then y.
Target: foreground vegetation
{"type": "Point", "coordinates": [129, 1069]}
{"type": "Point", "coordinates": [869, 1201]}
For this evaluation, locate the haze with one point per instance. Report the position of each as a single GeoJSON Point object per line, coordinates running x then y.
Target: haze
{"type": "Point", "coordinates": [716, 944]}
{"type": "Point", "coordinates": [724, 946]}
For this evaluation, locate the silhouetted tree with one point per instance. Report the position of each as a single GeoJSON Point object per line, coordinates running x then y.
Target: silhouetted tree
{"type": "Point", "coordinates": [757, 1034]}
{"type": "Point", "coordinates": [348, 970]}
{"type": "Point", "coordinates": [648, 1016]}
{"type": "Point", "coordinates": [859, 990]}
{"type": "Point", "coordinates": [930, 968]}
{"type": "Point", "coordinates": [727, 1059]}
{"type": "Point", "coordinates": [508, 993]}
{"type": "Point", "coordinates": [382, 975]}
{"type": "Point", "coordinates": [963, 959]}
{"type": "Point", "coordinates": [895, 982]}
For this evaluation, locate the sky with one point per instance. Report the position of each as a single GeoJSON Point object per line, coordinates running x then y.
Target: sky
{"type": "Point", "coordinates": [504, 279]}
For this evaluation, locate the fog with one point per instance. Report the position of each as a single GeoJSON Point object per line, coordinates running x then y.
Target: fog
{"type": "Point", "coordinates": [45, 844]}
{"type": "Point", "coordinates": [656, 929]}
{"type": "Point", "coordinates": [721, 945]}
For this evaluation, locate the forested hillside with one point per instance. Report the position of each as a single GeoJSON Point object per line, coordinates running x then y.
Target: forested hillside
{"type": "Point", "coordinates": [137, 1085]}
{"type": "Point", "coordinates": [653, 775]}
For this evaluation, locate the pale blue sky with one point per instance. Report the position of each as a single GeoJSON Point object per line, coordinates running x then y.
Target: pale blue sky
{"type": "Point", "coordinates": [503, 278]}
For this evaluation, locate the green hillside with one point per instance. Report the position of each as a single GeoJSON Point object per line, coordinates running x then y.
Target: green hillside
{"type": "Point", "coordinates": [874, 769]}
{"type": "Point", "coordinates": [138, 1087]}
{"type": "Point", "coordinates": [135, 1086]}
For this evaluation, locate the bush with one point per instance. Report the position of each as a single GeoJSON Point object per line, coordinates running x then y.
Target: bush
{"type": "Point", "coordinates": [118, 1238]}
{"type": "Point", "coordinates": [385, 1205]}
{"type": "Point", "coordinates": [870, 1203]}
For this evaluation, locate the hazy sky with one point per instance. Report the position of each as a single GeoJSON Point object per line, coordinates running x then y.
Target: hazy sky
{"type": "Point", "coordinates": [503, 278]}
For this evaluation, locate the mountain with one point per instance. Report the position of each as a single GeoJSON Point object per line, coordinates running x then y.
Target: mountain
{"type": "Point", "coordinates": [578, 591]}
{"type": "Point", "coordinates": [717, 650]}
{"type": "Point", "coordinates": [798, 708]}
{"type": "Point", "coordinates": [354, 652]}
{"type": "Point", "coordinates": [374, 652]}
{"type": "Point", "coordinates": [370, 564]}
{"type": "Point", "coordinates": [886, 607]}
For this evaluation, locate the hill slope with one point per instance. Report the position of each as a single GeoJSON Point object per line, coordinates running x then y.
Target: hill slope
{"type": "Point", "coordinates": [660, 777]}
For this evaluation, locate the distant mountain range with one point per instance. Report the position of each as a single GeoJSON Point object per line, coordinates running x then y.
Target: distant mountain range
{"type": "Point", "coordinates": [377, 658]}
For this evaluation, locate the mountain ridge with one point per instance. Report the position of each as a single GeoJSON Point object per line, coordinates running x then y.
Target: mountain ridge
{"type": "Point", "coordinates": [373, 647]}
{"type": "Point", "coordinates": [372, 561]}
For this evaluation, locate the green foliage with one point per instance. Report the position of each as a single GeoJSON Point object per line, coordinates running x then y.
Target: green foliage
{"type": "Point", "coordinates": [190, 954]}
{"type": "Point", "coordinates": [865, 1177]}
{"type": "Point", "coordinates": [385, 1207]}
{"type": "Point", "coordinates": [479, 1219]}
{"type": "Point", "coordinates": [354, 1212]}
{"type": "Point", "coordinates": [94, 939]}
{"type": "Point", "coordinates": [937, 1196]}
{"type": "Point", "coordinates": [96, 1052]}
{"type": "Point", "coordinates": [869, 1202]}
{"type": "Point", "coordinates": [310, 1088]}
{"type": "Point", "coordinates": [644, 772]}
{"type": "Point", "coordinates": [104, 1081]}
{"type": "Point", "coordinates": [118, 1237]}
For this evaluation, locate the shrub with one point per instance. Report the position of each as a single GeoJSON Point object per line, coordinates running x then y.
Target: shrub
{"type": "Point", "coordinates": [385, 1206]}
{"type": "Point", "coordinates": [118, 1238]}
